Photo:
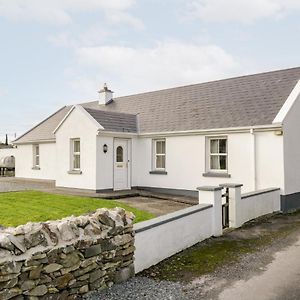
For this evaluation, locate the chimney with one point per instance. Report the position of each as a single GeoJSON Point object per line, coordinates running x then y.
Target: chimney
{"type": "Point", "coordinates": [6, 140]}
{"type": "Point", "coordinates": [105, 95]}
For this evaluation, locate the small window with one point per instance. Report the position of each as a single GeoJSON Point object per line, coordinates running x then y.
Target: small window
{"type": "Point", "coordinates": [217, 154]}
{"type": "Point", "coordinates": [75, 144]}
{"type": "Point", "coordinates": [36, 156]}
{"type": "Point", "coordinates": [119, 154]}
{"type": "Point", "coordinates": [159, 154]}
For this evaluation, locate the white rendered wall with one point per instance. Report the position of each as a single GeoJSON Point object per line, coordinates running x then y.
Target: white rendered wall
{"type": "Point", "coordinates": [105, 163]}
{"type": "Point", "coordinates": [256, 204]}
{"type": "Point", "coordinates": [77, 125]}
{"type": "Point", "coordinates": [48, 163]}
{"type": "Point", "coordinates": [171, 236]}
{"type": "Point", "coordinates": [291, 138]}
{"type": "Point", "coordinates": [186, 155]}
{"type": "Point", "coordinates": [269, 161]}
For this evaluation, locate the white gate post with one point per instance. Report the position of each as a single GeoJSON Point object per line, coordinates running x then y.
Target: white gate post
{"type": "Point", "coordinates": [235, 204]}
{"type": "Point", "coordinates": [213, 195]}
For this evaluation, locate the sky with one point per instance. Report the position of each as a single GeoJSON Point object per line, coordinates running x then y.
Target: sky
{"type": "Point", "coordinates": [59, 52]}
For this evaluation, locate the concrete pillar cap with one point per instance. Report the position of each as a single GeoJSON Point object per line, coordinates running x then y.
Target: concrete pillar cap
{"type": "Point", "coordinates": [209, 188]}
{"type": "Point", "coordinates": [231, 185]}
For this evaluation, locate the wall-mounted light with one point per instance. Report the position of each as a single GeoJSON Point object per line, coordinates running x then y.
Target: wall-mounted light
{"type": "Point", "coordinates": [105, 148]}
{"type": "Point", "coordinates": [278, 132]}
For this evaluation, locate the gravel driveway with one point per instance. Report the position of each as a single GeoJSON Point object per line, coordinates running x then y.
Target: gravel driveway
{"type": "Point", "coordinates": [10, 184]}
{"type": "Point", "coordinates": [142, 288]}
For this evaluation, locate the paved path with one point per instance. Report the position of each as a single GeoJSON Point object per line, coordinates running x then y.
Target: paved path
{"type": "Point", "coordinates": [279, 281]}
{"type": "Point", "coordinates": [158, 207]}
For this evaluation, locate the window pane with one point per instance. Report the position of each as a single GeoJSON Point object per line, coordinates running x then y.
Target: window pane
{"type": "Point", "coordinates": [163, 147]}
{"type": "Point", "coordinates": [214, 162]}
{"type": "Point", "coordinates": [214, 146]}
{"type": "Point", "coordinates": [160, 161]}
{"type": "Point", "coordinates": [76, 161]}
{"type": "Point", "coordinates": [119, 154]}
{"type": "Point", "coordinates": [163, 163]}
{"type": "Point", "coordinates": [37, 150]}
{"type": "Point", "coordinates": [159, 147]}
{"type": "Point", "coordinates": [37, 160]}
{"type": "Point", "coordinates": [223, 162]}
{"type": "Point", "coordinates": [76, 146]}
{"type": "Point", "coordinates": [222, 146]}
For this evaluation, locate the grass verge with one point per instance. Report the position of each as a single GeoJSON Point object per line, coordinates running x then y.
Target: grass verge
{"type": "Point", "coordinates": [214, 253]}
{"type": "Point", "coordinates": [18, 208]}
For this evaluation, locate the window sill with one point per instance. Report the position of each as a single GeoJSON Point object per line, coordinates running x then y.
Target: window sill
{"type": "Point", "coordinates": [215, 174]}
{"type": "Point", "coordinates": [75, 172]}
{"type": "Point", "coordinates": [157, 172]}
{"type": "Point", "coordinates": [36, 168]}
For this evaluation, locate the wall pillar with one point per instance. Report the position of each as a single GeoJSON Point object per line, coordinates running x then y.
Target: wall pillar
{"type": "Point", "coordinates": [213, 195]}
{"type": "Point", "coordinates": [235, 204]}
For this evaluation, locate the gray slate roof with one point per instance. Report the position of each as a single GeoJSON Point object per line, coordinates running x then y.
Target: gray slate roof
{"type": "Point", "coordinates": [44, 130]}
{"type": "Point", "coordinates": [114, 121]}
{"type": "Point", "coordinates": [236, 102]}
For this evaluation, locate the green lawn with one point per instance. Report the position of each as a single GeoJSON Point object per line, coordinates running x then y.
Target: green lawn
{"type": "Point", "coordinates": [32, 206]}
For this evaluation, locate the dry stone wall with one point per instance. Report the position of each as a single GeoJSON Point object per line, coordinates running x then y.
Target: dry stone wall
{"type": "Point", "coordinates": [66, 259]}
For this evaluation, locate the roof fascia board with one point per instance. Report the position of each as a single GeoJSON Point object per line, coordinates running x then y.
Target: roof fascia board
{"type": "Point", "coordinates": [288, 104]}
{"type": "Point", "coordinates": [117, 134]}
{"type": "Point", "coordinates": [270, 127]}
{"type": "Point", "coordinates": [102, 132]}
{"type": "Point", "coordinates": [35, 142]}
{"type": "Point", "coordinates": [63, 120]}
{"type": "Point", "coordinates": [82, 110]}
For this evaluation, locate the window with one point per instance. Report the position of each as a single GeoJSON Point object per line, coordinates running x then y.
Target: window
{"type": "Point", "coordinates": [217, 159]}
{"type": "Point", "coordinates": [119, 154]}
{"type": "Point", "coordinates": [75, 154]}
{"type": "Point", "coordinates": [36, 156]}
{"type": "Point", "coordinates": [159, 154]}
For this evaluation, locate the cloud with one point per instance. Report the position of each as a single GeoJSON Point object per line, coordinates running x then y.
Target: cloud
{"type": "Point", "coordinates": [62, 11]}
{"type": "Point", "coordinates": [240, 10]}
{"type": "Point", "coordinates": [93, 36]}
{"type": "Point", "coordinates": [167, 64]}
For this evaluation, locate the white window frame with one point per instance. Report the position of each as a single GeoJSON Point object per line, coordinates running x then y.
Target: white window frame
{"type": "Point", "coordinates": [36, 156]}
{"type": "Point", "coordinates": [73, 154]}
{"type": "Point", "coordinates": [209, 154]}
{"type": "Point", "coordinates": [155, 154]}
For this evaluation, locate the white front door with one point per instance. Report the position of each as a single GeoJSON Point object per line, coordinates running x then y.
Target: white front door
{"type": "Point", "coordinates": [121, 164]}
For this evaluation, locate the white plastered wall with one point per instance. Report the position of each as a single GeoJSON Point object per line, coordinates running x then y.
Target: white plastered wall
{"type": "Point", "coordinates": [24, 162]}
{"type": "Point", "coordinates": [76, 125]}
{"type": "Point", "coordinates": [269, 161]}
{"type": "Point", "coordinates": [186, 162]}
{"type": "Point", "coordinates": [291, 137]}
{"type": "Point", "coordinates": [104, 177]}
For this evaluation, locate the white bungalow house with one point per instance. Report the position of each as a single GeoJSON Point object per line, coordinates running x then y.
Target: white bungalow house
{"type": "Point", "coordinates": [240, 130]}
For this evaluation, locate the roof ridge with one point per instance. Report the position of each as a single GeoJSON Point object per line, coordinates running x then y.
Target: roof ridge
{"type": "Point", "coordinates": [209, 82]}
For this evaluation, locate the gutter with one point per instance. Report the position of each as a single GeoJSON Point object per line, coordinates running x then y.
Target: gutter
{"type": "Point", "coordinates": [35, 142]}
{"type": "Point", "coordinates": [259, 128]}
